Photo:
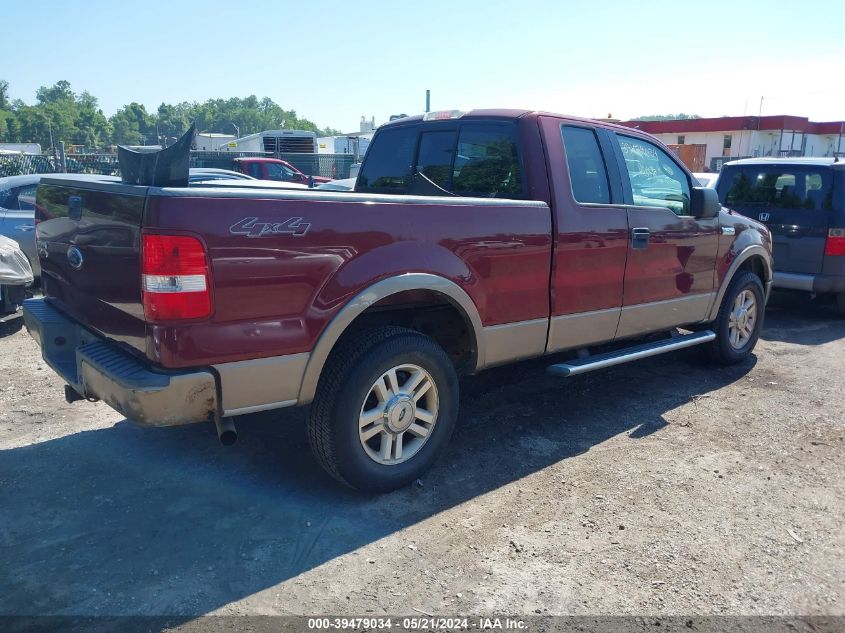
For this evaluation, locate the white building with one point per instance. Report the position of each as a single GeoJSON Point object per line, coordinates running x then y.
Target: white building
{"type": "Point", "coordinates": [354, 143]}
{"type": "Point", "coordinates": [750, 136]}
{"type": "Point", "coordinates": [212, 141]}
{"type": "Point", "coordinates": [20, 148]}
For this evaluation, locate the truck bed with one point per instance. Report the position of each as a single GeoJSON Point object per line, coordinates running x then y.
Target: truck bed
{"type": "Point", "coordinates": [282, 261]}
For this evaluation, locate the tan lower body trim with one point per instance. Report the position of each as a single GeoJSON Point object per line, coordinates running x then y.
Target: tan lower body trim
{"type": "Point", "coordinates": [260, 407]}
{"type": "Point", "coordinates": [514, 341]}
{"type": "Point", "coordinates": [660, 315]}
{"type": "Point", "coordinates": [265, 383]}
{"type": "Point", "coordinates": [570, 331]}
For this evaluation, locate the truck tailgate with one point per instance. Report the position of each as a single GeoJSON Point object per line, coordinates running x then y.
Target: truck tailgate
{"type": "Point", "coordinates": [88, 244]}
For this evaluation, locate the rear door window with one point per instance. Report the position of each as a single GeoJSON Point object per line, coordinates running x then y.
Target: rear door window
{"type": "Point", "coordinates": [476, 159]}
{"type": "Point", "coordinates": [780, 187]}
{"type": "Point", "coordinates": [487, 162]}
{"type": "Point", "coordinates": [387, 167]}
{"type": "Point", "coordinates": [587, 170]}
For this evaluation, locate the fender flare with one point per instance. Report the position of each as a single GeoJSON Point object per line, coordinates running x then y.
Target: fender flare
{"type": "Point", "coordinates": [744, 255]}
{"type": "Point", "coordinates": [372, 294]}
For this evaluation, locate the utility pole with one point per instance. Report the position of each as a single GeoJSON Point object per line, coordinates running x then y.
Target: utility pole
{"type": "Point", "coordinates": [428, 100]}
{"type": "Point", "coordinates": [62, 159]}
{"type": "Point", "coordinates": [237, 129]}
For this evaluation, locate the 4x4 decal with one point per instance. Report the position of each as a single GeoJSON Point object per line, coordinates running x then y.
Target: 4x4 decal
{"type": "Point", "coordinates": [251, 227]}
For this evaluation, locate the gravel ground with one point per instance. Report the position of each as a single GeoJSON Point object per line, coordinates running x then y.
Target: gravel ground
{"type": "Point", "coordinates": [664, 487]}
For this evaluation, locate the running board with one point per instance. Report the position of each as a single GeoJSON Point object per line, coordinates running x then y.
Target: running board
{"type": "Point", "coordinates": [609, 359]}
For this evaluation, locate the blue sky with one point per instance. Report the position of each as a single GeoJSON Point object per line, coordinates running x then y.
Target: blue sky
{"type": "Point", "coordinates": [334, 61]}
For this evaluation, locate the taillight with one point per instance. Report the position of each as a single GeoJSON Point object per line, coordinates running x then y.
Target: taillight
{"type": "Point", "coordinates": [175, 278]}
{"type": "Point", "coordinates": [835, 244]}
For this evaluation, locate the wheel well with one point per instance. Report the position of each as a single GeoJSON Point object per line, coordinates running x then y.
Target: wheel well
{"type": "Point", "coordinates": [430, 313]}
{"type": "Point", "coordinates": [755, 265]}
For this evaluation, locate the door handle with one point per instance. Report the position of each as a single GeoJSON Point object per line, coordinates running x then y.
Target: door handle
{"type": "Point", "coordinates": [25, 227]}
{"type": "Point", "coordinates": [640, 238]}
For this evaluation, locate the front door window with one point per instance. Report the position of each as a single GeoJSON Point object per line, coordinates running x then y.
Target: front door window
{"type": "Point", "coordinates": [656, 180]}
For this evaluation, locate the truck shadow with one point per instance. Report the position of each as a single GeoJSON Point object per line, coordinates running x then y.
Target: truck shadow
{"type": "Point", "coordinates": [13, 325]}
{"type": "Point", "coordinates": [795, 318]}
{"type": "Point", "coordinates": [127, 520]}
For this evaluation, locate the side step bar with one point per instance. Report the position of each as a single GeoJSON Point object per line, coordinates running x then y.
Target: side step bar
{"type": "Point", "coordinates": [609, 359]}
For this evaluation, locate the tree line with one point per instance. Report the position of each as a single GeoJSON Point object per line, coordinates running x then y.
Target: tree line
{"type": "Point", "coordinates": [59, 114]}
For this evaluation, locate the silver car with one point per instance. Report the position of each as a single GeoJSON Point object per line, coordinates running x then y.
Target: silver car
{"type": "Point", "coordinates": [17, 214]}
{"type": "Point", "coordinates": [15, 276]}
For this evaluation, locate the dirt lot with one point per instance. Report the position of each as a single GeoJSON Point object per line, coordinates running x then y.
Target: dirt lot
{"type": "Point", "coordinates": [664, 487]}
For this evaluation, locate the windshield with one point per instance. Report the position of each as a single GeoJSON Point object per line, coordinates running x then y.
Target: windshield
{"type": "Point", "coordinates": [781, 186]}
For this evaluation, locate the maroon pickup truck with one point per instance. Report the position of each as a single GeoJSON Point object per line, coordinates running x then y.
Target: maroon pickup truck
{"type": "Point", "coordinates": [471, 240]}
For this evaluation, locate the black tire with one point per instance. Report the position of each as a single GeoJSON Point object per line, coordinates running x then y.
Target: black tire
{"type": "Point", "coordinates": [350, 373]}
{"type": "Point", "coordinates": [721, 350]}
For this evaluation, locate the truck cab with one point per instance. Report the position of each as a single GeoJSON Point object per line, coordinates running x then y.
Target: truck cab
{"type": "Point", "coordinates": [275, 169]}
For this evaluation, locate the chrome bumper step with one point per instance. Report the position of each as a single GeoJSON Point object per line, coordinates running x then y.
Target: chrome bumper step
{"type": "Point", "coordinates": [617, 357]}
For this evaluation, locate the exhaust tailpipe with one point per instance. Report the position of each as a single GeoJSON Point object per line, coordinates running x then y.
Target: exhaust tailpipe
{"type": "Point", "coordinates": [226, 431]}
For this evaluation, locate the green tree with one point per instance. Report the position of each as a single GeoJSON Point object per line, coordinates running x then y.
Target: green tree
{"type": "Point", "coordinates": [77, 119]}
{"type": "Point", "coordinates": [6, 115]}
{"type": "Point", "coordinates": [132, 125]}
{"type": "Point", "coordinates": [93, 129]}
{"type": "Point", "coordinates": [4, 95]}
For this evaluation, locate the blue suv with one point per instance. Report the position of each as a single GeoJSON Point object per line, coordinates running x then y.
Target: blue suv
{"type": "Point", "coordinates": [802, 201]}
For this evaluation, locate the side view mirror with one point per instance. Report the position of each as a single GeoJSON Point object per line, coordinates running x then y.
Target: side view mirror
{"type": "Point", "coordinates": [704, 203]}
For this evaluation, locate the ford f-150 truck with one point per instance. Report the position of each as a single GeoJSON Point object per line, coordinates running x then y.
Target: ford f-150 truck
{"type": "Point", "coordinates": [471, 240]}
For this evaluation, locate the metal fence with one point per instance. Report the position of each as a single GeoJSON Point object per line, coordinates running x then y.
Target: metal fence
{"type": "Point", "coordinates": [327, 165]}
{"type": "Point", "coordinates": [17, 164]}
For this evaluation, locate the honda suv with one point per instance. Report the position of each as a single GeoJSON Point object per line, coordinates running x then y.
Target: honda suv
{"type": "Point", "coordinates": [802, 201]}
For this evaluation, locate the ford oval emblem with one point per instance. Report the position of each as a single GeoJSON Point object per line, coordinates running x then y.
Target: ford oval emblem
{"type": "Point", "coordinates": [74, 257]}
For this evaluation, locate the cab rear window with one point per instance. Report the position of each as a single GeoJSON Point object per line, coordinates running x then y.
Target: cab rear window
{"type": "Point", "coordinates": [776, 186]}
{"type": "Point", "coordinates": [470, 159]}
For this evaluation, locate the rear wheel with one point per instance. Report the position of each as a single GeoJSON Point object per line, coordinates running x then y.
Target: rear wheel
{"type": "Point", "coordinates": [740, 320]}
{"type": "Point", "coordinates": [840, 303]}
{"type": "Point", "coordinates": [384, 409]}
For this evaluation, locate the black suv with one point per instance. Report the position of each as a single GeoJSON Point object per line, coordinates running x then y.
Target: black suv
{"type": "Point", "coordinates": [802, 201]}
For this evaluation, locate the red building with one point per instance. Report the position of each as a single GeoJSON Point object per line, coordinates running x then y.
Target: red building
{"type": "Point", "coordinates": [735, 137]}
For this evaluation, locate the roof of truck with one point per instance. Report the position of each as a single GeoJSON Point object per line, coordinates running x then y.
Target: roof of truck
{"type": "Point", "coordinates": [510, 113]}
{"type": "Point", "coordinates": [816, 161]}
{"type": "Point", "coordinates": [500, 113]}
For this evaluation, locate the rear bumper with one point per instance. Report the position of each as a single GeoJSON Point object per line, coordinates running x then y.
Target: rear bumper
{"type": "Point", "coordinates": [809, 283]}
{"type": "Point", "coordinates": [96, 368]}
